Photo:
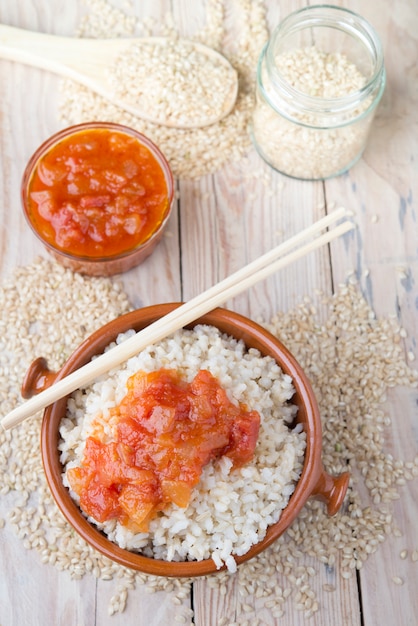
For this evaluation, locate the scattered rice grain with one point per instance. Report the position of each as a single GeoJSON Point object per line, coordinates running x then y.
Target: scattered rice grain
{"type": "Point", "coordinates": [349, 419]}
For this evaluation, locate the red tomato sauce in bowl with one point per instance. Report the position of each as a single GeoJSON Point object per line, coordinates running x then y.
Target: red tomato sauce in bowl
{"type": "Point", "coordinates": [97, 191]}
{"type": "Point", "coordinates": [167, 430]}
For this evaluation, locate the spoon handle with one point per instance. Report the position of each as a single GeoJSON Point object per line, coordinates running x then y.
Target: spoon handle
{"type": "Point", "coordinates": [62, 55]}
{"type": "Point", "coordinates": [83, 60]}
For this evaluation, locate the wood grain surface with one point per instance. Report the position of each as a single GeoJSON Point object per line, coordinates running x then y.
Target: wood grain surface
{"type": "Point", "coordinates": [222, 221]}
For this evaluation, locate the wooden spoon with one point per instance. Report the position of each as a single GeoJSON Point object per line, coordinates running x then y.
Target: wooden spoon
{"type": "Point", "coordinates": [88, 61]}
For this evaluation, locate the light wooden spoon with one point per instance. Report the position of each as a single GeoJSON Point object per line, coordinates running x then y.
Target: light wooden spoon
{"type": "Point", "coordinates": [87, 61]}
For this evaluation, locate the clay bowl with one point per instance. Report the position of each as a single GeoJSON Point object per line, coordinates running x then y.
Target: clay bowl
{"type": "Point", "coordinates": [314, 481]}
{"type": "Point", "coordinates": [105, 264]}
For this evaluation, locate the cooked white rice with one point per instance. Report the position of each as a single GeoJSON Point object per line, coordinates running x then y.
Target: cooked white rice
{"type": "Point", "coordinates": [230, 509]}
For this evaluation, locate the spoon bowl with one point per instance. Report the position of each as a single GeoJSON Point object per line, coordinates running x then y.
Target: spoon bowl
{"type": "Point", "coordinates": [98, 65]}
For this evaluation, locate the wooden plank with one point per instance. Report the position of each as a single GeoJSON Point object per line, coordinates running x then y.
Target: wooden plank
{"type": "Point", "coordinates": [26, 122]}
{"type": "Point", "coordinates": [275, 601]}
{"type": "Point", "coordinates": [234, 216]}
{"type": "Point", "coordinates": [156, 280]}
{"type": "Point", "coordinates": [63, 600]}
{"type": "Point", "coordinates": [382, 188]}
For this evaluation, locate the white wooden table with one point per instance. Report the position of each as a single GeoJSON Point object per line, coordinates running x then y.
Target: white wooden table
{"type": "Point", "coordinates": [221, 222]}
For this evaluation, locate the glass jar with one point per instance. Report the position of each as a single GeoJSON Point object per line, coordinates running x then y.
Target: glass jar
{"type": "Point", "coordinates": [97, 210]}
{"type": "Point", "coordinates": [319, 80]}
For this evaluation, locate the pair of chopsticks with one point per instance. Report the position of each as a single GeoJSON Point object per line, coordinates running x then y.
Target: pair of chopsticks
{"type": "Point", "coordinates": [290, 250]}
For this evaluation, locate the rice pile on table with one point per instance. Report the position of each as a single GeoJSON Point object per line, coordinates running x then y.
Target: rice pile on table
{"type": "Point", "coordinates": [230, 509]}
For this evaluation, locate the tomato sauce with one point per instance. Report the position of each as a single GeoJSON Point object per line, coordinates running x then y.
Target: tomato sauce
{"type": "Point", "coordinates": [98, 193]}
{"type": "Point", "coordinates": [167, 431]}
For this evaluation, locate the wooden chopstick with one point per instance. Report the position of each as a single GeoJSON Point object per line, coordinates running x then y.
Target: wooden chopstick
{"type": "Point", "coordinates": [277, 258]}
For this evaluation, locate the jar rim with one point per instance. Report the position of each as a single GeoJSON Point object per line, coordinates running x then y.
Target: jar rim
{"type": "Point", "coordinates": [325, 15]}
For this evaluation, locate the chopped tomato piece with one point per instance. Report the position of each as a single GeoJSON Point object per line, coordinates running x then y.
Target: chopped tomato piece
{"type": "Point", "coordinates": [138, 502]}
{"type": "Point", "coordinates": [99, 501]}
{"type": "Point", "coordinates": [177, 491]}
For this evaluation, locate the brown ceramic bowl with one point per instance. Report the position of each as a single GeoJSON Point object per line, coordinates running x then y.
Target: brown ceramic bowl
{"type": "Point", "coordinates": [314, 480]}
{"type": "Point", "coordinates": [103, 264]}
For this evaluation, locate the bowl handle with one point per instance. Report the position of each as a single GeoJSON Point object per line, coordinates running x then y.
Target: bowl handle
{"type": "Point", "coordinates": [37, 378]}
{"type": "Point", "coordinates": [331, 490]}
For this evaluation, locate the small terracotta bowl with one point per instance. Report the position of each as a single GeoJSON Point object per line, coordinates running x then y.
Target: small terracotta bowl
{"type": "Point", "coordinates": [314, 481]}
{"type": "Point", "coordinates": [98, 264]}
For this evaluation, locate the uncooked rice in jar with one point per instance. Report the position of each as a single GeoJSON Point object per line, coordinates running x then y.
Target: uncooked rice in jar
{"type": "Point", "coordinates": [230, 509]}
{"type": "Point", "coordinates": [310, 144]}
